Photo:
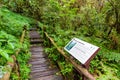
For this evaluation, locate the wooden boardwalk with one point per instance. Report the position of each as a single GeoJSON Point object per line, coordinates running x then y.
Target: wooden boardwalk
{"type": "Point", "coordinates": [41, 68]}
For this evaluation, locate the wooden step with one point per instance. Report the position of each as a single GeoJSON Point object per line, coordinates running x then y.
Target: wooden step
{"type": "Point", "coordinates": [44, 73]}
{"type": "Point", "coordinates": [34, 35]}
{"type": "Point", "coordinates": [36, 49]}
{"type": "Point", "coordinates": [36, 41]}
{"type": "Point", "coordinates": [49, 77]}
{"type": "Point", "coordinates": [38, 56]}
{"type": "Point", "coordinates": [33, 29]}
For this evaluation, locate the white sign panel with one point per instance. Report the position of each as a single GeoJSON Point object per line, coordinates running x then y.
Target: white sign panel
{"type": "Point", "coordinates": [81, 50]}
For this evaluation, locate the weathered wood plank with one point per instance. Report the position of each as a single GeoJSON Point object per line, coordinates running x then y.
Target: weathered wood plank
{"type": "Point", "coordinates": [33, 29]}
{"type": "Point", "coordinates": [37, 53]}
{"type": "Point", "coordinates": [36, 62]}
{"type": "Point", "coordinates": [37, 49]}
{"type": "Point", "coordinates": [38, 56]}
{"type": "Point", "coordinates": [43, 69]}
{"type": "Point", "coordinates": [34, 35]}
{"type": "Point", "coordinates": [39, 65]}
{"type": "Point", "coordinates": [44, 73]}
{"type": "Point", "coordinates": [36, 41]}
{"type": "Point", "coordinates": [50, 77]}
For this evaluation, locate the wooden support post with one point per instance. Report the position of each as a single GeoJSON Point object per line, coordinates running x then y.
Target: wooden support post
{"type": "Point", "coordinates": [87, 67]}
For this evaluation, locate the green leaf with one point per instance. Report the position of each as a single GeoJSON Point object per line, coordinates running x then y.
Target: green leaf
{"type": "Point", "coordinates": [10, 59]}
{"type": "Point", "coordinates": [11, 45]}
{"type": "Point", "coordinates": [3, 40]}
{"type": "Point", "coordinates": [9, 51]}
{"type": "Point", "coordinates": [4, 54]}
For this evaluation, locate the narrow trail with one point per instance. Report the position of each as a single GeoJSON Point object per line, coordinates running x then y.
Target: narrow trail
{"type": "Point", "coordinates": [41, 68]}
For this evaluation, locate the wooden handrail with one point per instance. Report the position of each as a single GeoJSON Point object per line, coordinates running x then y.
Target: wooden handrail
{"type": "Point", "coordinates": [78, 67]}
{"type": "Point", "coordinates": [21, 41]}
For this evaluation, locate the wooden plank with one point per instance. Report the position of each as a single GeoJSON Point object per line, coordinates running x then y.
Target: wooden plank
{"type": "Point", "coordinates": [34, 35]}
{"type": "Point", "coordinates": [38, 55]}
{"type": "Point", "coordinates": [37, 52]}
{"type": "Point", "coordinates": [39, 65]}
{"type": "Point", "coordinates": [36, 49]}
{"type": "Point", "coordinates": [36, 41]}
{"type": "Point", "coordinates": [50, 77]}
{"type": "Point", "coordinates": [37, 46]}
{"type": "Point", "coordinates": [33, 29]}
{"type": "Point", "coordinates": [35, 59]}
{"type": "Point", "coordinates": [38, 62]}
{"type": "Point", "coordinates": [44, 73]}
{"type": "Point", "coordinates": [42, 69]}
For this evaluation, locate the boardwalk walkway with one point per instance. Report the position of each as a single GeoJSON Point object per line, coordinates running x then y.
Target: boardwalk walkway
{"type": "Point", "coordinates": [41, 68]}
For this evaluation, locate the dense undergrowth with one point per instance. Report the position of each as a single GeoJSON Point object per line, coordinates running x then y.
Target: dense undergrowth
{"type": "Point", "coordinates": [11, 28]}
{"type": "Point", "coordinates": [88, 24]}
{"type": "Point", "coordinates": [105, 63]}
{"type": "Point", "coordinates": [97, 22]}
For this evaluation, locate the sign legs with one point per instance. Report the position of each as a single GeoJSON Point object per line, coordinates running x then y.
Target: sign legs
{"type": "Point", "coordinates": [87, 67]}
{"type": "Point", "coordinates": [83, 77]}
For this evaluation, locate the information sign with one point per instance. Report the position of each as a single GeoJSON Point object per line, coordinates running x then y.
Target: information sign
{"type": "Point", "coordinates": [81, 50]}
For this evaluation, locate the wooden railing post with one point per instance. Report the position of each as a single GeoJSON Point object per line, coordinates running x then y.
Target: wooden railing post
{"type": "Point", "coordinates": [87, 67]}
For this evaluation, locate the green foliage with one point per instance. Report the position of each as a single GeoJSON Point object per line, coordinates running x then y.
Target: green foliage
{"type": "Point", "coordinates": [22, 59]}
{"type": "Point", "coordinates": [14, 76]}
{"type": "Point", "coordinates": [11, 27]}
{"type": "Point", "coordinates": [52, 53]}
{"type": "Point", "coordinates": [8, 45]}
{"type": "Point", "coordinates": [3, 70]}
{"type": "Point", "coordinates": [109, 73]}
{"type": "Point", "coordinates": [26, 7]}
{"type": "Point", "coordinates": [66, 68]}
{"type": "Point", "coordinates": [95, 21]}
{"type": "Point", "coordinates": [12, 23]}
{"type": "Point", "coordinates": [88, 24]}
